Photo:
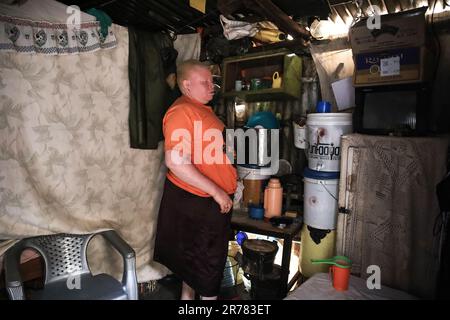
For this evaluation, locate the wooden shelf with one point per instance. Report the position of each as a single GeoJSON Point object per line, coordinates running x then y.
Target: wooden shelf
{"type": "Point", "coordinates": [261, 95]}
{"type": "Point", "coordinates": [262, 66]}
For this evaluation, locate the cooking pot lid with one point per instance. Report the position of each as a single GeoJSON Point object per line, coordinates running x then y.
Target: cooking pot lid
{"type": "Point", "coordinates": [260, 246]}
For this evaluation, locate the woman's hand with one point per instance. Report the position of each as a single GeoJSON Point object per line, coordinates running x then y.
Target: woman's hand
{"type": "Point", "coordinates": [223, 200]}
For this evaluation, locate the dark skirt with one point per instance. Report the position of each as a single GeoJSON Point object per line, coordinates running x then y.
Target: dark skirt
{"type": "Point", "coordinates": [192, 238]}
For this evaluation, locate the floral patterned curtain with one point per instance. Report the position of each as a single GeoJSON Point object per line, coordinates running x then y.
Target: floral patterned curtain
{"type": "Point", "coordinates": [65, 160]}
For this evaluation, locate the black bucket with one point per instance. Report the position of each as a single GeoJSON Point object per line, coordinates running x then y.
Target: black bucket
{"type": "Point", "coordinates": [258, 257]}
{"type": "Point", "coordinates": [268, 288]}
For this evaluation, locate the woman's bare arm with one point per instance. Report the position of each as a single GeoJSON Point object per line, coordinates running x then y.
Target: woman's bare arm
{"type": "Point", "coordinates": [186, 171]}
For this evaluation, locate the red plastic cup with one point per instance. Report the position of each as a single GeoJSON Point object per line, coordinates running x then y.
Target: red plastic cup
{"type": "Point", "coordinates": [340, 277]}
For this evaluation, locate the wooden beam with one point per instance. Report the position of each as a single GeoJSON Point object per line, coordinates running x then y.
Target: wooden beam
{"type": "Point", "coordinates": [292, 45]}
{"type": "Point", "coordinates": [271, 12]}
{"type": "Point", "coordinates": [266, 9]}
{"type": "Point", "coordinates": [227, 7]}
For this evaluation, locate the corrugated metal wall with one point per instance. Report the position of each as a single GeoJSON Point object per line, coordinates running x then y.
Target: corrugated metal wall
{"type": "Point", "coordinates": [346, 11]}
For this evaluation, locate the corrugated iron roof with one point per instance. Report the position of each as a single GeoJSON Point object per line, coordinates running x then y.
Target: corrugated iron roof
{"type": "Point", "coordinates": [347, 11]}
{"type": "Point", "coordinates": [178, 16]}
{"type": "Point", "coordinates": [174, 15]}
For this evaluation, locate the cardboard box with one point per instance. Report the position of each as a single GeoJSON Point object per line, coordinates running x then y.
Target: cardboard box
{"type": "Point", "coordinates": [394, 66]}
{"type": "Point", "coordinates": [399, 30]}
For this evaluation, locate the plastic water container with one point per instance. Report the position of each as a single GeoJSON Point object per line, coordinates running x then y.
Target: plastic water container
{"type": "Point", "coordinates": [320, 199]}
{"type": "Point", "coordinates": [312, 249]}
{"type": "Point", "coordinates": [254, 180]}
{"type": "Point", "coordinates": [323, 135]}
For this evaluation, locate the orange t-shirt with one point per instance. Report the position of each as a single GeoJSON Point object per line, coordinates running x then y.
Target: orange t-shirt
{"type": "Point", "coordinates": [192, 127]}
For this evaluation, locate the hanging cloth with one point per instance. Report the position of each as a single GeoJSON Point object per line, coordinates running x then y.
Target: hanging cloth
{"type": "Point", "coordinates": [40, 10]}
{"type": "Point", "coordinates": [233, 29]}
{"type": "Point", "coordinates": [103, 18]}
{"type": "Point", "coordinates": [149, 92]}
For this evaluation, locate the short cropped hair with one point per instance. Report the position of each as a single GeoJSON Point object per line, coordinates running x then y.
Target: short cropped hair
{"type": "Point", "coordinates": [185, 67]}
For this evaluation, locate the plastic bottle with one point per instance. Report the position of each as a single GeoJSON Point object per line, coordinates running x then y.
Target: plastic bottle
{"type": "Point", "coordinates": [273, 198]}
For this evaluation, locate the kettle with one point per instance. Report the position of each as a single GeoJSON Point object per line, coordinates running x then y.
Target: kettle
{"type": "Point", "coordinates": [273, 198]}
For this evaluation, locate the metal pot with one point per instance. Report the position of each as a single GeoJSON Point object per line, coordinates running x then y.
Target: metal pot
{"type": "Point", "coordinates": [256, 143]}
{"type": "Point", "coordinates": [258, 257]}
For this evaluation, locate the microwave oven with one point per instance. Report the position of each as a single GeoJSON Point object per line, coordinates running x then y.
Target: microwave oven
{"type": "Point", "coordinates": [392, 109]}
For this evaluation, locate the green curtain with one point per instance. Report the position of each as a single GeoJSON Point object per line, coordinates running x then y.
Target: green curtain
{"type": "Point", "coordinates": [149, 92]}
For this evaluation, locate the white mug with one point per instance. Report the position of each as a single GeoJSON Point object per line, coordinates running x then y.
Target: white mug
{"type": "Point", "coordinates": [238, 85]}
